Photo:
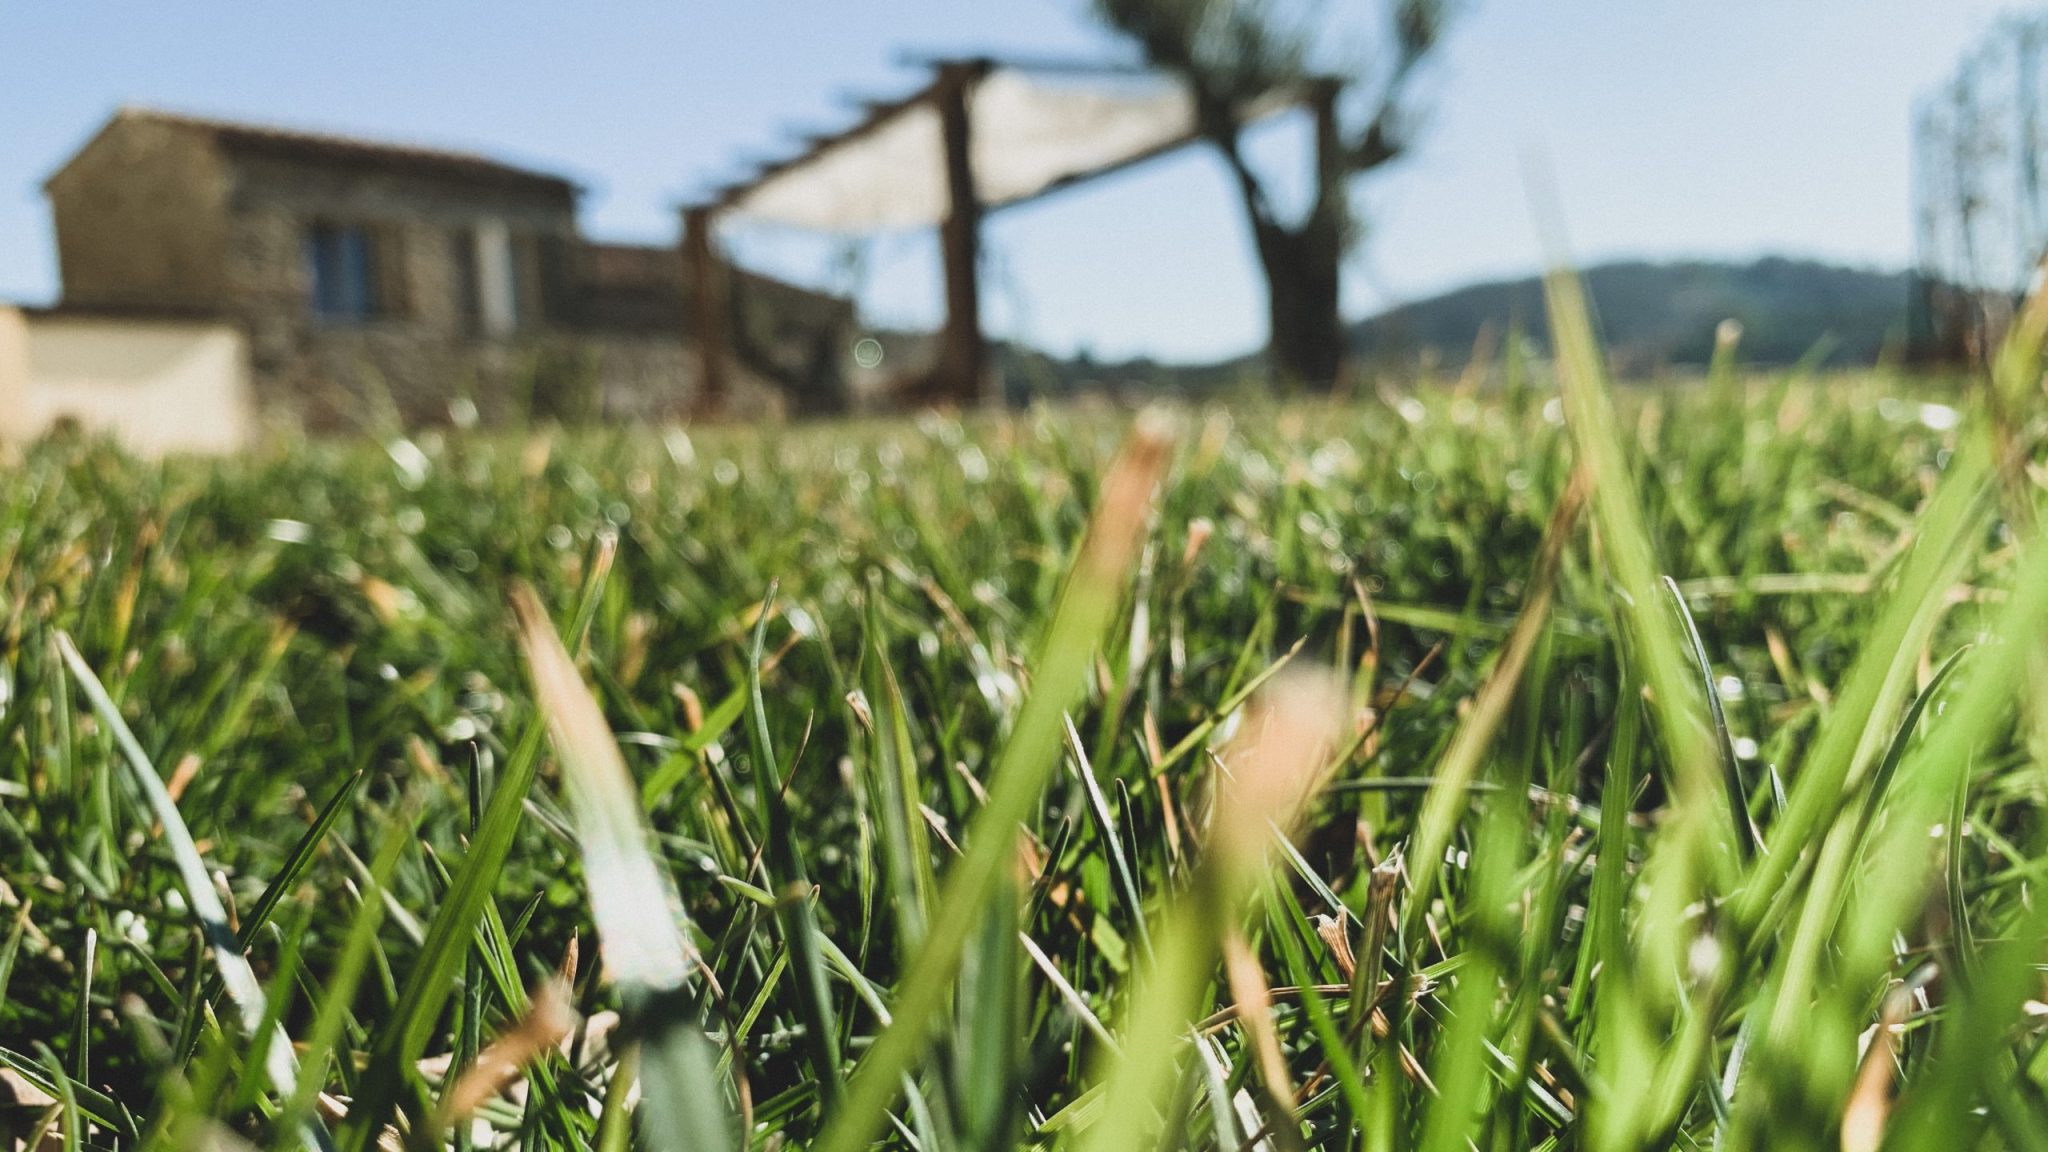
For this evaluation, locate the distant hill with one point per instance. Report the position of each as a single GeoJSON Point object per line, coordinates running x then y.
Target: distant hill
{"type": "Point", "coordinates": [1655, 315]}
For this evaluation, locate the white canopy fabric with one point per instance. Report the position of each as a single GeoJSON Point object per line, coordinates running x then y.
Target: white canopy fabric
{"type": "Point", "coordinates": [1029, 130]}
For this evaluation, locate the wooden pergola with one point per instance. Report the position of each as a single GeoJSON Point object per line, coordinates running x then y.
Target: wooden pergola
{"type": "Point", "coordinates": [981, 134]}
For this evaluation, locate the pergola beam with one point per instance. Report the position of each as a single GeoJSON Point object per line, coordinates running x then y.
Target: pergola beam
{"type": "Point", "coordinates": [875, 114]}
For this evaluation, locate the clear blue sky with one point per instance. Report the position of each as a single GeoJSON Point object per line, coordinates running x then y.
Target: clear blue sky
{"type": "Point", "coordinates": [1675, 129]}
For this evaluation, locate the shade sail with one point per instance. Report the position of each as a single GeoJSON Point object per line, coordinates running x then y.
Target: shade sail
{"type": "Point", "coordinates": [1030, 129]}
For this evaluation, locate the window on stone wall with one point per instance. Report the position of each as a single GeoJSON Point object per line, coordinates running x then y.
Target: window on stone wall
{"type": "Point", "coordinates": [357, 271]}
{"type": "Point", "coordinates": [501, 279]}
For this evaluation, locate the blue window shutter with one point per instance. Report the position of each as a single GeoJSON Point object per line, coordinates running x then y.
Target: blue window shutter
{"type": "Point", "coordinates": [342, 264]}
{"type": "Point", "coordinates": [356, 274]}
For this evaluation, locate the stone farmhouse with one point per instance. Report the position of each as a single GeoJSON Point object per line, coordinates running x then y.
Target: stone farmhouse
{"type": "Point", "coordinates": [369, 281]}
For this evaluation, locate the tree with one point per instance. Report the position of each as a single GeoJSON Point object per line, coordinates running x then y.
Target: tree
{"type": "Point", "coordinates": [1232, 54]}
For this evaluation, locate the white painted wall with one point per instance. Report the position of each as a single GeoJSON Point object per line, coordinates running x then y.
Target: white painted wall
{"type": "Point", "coordinates": [157, 386]}
{"type": "Point", "coordinates": [14, 405]}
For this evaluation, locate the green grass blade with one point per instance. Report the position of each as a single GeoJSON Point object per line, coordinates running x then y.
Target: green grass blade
{"type": "Point", "coordinates": [990, 1040]}
{"type": "Point", "coordinates": [1648, 989]}
{"type": "Point", "coordinates": [401, 1037]}
{"type": "Point", "coordinates": [301, 858]}
{"type": "Point", "coordinates": [1459, 767]}
{"type": "Point", "coordinates": [1077, 627]}
{"type": "Point", "coordinates": [1631, 558]}
{"type": "Point", "coordinates": [1731, 768]}
{"type": "Point", "coordinates": [793, 911]}
{"type": "Point", "coordinates": [891, 780]}
{"type": "Point", "coordinates": [1853, 730]}
{"type": "Point", "coordinates": [235, 972]}
{"type": "Point", "coordinates": [1108, 835]}
{"type": "Point", "coordinates": [332, 1014]}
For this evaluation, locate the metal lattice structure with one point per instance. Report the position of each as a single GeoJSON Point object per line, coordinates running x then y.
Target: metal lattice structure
{"type": "Point", "coordinates": [1980, 145]}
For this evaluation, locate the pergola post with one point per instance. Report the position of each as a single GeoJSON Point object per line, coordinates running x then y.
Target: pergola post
{"type": "Point", "coordinates": [962, 352]}
{"type": "Point", "coordinates": [710, 310]}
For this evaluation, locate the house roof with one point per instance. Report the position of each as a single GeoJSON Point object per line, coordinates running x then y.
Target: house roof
{"type": "Point", "coordinates": [333, 148]}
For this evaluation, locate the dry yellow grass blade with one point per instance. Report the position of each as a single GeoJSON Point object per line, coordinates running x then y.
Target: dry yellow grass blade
{"type": "Point", "coordinates": [642, 944]}
{"type": "Point", "coordinates": [1870, 1102]}
{"type": "Point", "coordinates": [548, 1018]}
{"type": "Point", "coordinates": [638, 944]}
{"type": "Point", "coordinates": [1272, 768]}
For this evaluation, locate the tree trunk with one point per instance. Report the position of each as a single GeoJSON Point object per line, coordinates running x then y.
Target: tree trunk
{"type": "Point", "coordinates": [963, 354]}
{"type": "Point", "coordinates": [1305, 349]}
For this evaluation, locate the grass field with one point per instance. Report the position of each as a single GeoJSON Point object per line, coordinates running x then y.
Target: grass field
{"type": "Point", "coordinates": [1355, 781]}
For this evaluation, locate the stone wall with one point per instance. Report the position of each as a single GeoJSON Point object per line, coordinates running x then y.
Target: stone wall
{"type": "Point", "coordinates": [141, 222]}
{"type": "Point", "coordinates": [413, 363]}
{"type": "Point", "coordinates": [646, 378]}
{"type": "Point", "coordinates": [654, 379]}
